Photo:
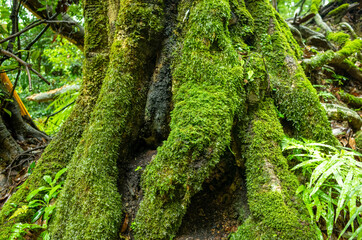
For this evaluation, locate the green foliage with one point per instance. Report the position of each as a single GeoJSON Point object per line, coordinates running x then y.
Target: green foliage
{"type": "Point", "coordinates": [20, 229]}
{"type": "Point", "coordinates": [63, 107]}
{"type": "Point", "coordinates": [334, 189]}
{"type": "Point", "coordinates": [338, 10]}
{"type": "Point", "coordinates": [39, 200]}
{"type": "Point", "coordinates": [59, 61]}
{"type": "Point", "coordinates": [326, 95]}
{"type": "Point", "coordinates": [2, 100]}
{"type": "Point", "coordinates": [338, 37]}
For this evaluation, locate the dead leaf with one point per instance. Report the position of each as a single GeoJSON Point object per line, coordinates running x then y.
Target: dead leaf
{"type": "Point", "coordinates": [344, 142]}
{"type": "Point", "coordinates": [352, 143]}
{"type": "Point", "coordinates": [125, 224]}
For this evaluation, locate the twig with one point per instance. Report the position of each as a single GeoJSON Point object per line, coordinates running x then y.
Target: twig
{"type": "Point", "coordinates": [25, 64]}
{"type": "Point", "coordinates": [301, 7]}
{"type": "Point", "coordinates": [22, 154]}
{"type": "Point", "coordinates": [37, 38]}
{"type": "Point", "coordinates": [51, 115]}
{"type": "Point", "coordinates": [29, 79]}
{"type": "Point", "coordinates": [61, 21]}
{"type": "Point", "coordinates": [32, 25]}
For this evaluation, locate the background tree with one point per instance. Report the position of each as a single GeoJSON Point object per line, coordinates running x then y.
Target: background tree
{"type": "Point", "coordinates": [232, 71]}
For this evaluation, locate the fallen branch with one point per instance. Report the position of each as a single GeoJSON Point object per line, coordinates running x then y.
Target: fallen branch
{"type": "Point", "coordinates": [340, 113]}
{"type": "Point", "coordinates": [351, 100]}
{"type": "Point", "coordinates": [330, 57]}
{"type": "Point", "coordinates": [319, 21]}
{"type": "Point", "coordinates": [52, 94]}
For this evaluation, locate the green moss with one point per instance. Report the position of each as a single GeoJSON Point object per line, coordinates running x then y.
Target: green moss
{"type": "Point", "coordinates": [294, 95]}
{"type": "Point", "coordinates": [314, 7]}
{"type": "Point", "coordinates": [350, 99]}
{"type": "Point", "coordinates": [338, 10]}
{"type": "Point", "coordinates": [61, 149]}
{"type": "Point", "coordinates": [349, 48]}
{"type": "Point", "coordinates": [90, 206]}
{"type": "Point", "coordinates": [255, 75]}
{"type": "Point", "coordinates": [338, 37]}
{"type": "Point", "coordinates": [276, 213]}
{"type": "Point", "coordinates": [95, 19]}
{"type": "Point", "coordinates": [207, 93]}
{"type": "Point", "coordinates": [320, 59]}
{"type": "Point", "coordinates": [245, 23]}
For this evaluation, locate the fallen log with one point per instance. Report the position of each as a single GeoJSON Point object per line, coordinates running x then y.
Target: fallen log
{"type": "Point", "coordinates": [52, 94]}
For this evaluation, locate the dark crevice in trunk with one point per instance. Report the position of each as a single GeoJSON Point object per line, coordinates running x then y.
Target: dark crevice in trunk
{"type": "Point", "coordinates": [130, 188]}
{"type": "Point", "coordinates": [220, 207]}
{"type": "Point", "coordinates": [154, 122]}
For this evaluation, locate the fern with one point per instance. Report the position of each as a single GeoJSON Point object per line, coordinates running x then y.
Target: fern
{"type": "Point", "coordinates": [20, 211]}
{"type": "Point", "coordinates": [61, 108]}
{"type": "Point", "coordinates": [335, 183]}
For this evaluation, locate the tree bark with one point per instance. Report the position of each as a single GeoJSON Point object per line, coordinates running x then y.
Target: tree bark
{"type": "Point", "coordinates": [228, 80]}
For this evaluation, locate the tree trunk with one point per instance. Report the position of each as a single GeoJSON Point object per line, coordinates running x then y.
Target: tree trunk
{"type": "Point", "coordinates": [229, 67]}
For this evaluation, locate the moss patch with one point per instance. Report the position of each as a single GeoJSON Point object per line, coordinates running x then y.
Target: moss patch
{"type": "Point", "coordinates": [338, 37]}
{"type": "Point", "coordinates": [61, 149]}
{"type": "Point", "coordinates": [338, 10]}
{"type": "Point", "coordinates": [90, 206]}
{"type": "Point", "coordinates": [207, 91]}
{"type": "Point", "coordinates": [294, 95]}
{"type": "Point", "coordinates": [271, 186]}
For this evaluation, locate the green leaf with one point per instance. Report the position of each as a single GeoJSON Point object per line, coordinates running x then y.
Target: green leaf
{"type": "Point", "coordinates": [37, 215]}
{"type": "Point", "coordinates": [31, 167]}
{"type": "Point", "coordinates": [250, 74]}
{"type": "Point", "coordinates": [48, 212]}
{"type": "Point", "coordinates": [343, 195]}
{"type": "Point", "coordinates": [330, 216]}
{"type": "Point", "coordinates": [357, 232]}
{"type": "Point", "coordinates": [324, 176]}
{"type": "Point", "coordinates": [359, 210]}
{"type": "Point", "coordinates": [24, 209]}
{"type": "Point", "coordinates": [36, 203]}
{"type": "Point", "coordinates": [45, 235]}
{"type": "Point", "coordinates": [36, 191]}
{"type": "Point", "coordinates": [58, 175]}
{"type": "Point", "coordinates": [319, 206]}
{"type": "Point", "coordinates": [54, 189]}
{"type": "Point", "coordinates": [48, 179]}
{"type": "Point", "coordinates": [7, 111]}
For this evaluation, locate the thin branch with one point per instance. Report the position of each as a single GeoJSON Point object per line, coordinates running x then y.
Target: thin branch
{"type": "Point", "coordinates": [29, 78]}
{"type": "Point", "coordinates": [16, 82]}
{"type": "Point", "coordinates": [37, 37]}
{"type": "Point", "coordinates": [25, 64]}
{"type": "Point", "coordinates": [32, 25]}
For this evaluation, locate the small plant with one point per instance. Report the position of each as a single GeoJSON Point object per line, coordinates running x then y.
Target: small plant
{"type": "Point", "coordinates": [41, 200]}
{"type": "Point", "coordinates": [334, 190]}
{"type": "Point", "coordinates": [326, 95]}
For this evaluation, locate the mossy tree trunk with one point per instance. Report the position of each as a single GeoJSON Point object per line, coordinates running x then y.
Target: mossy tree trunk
{"type": "Point", "coordinates": [233, 66]}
